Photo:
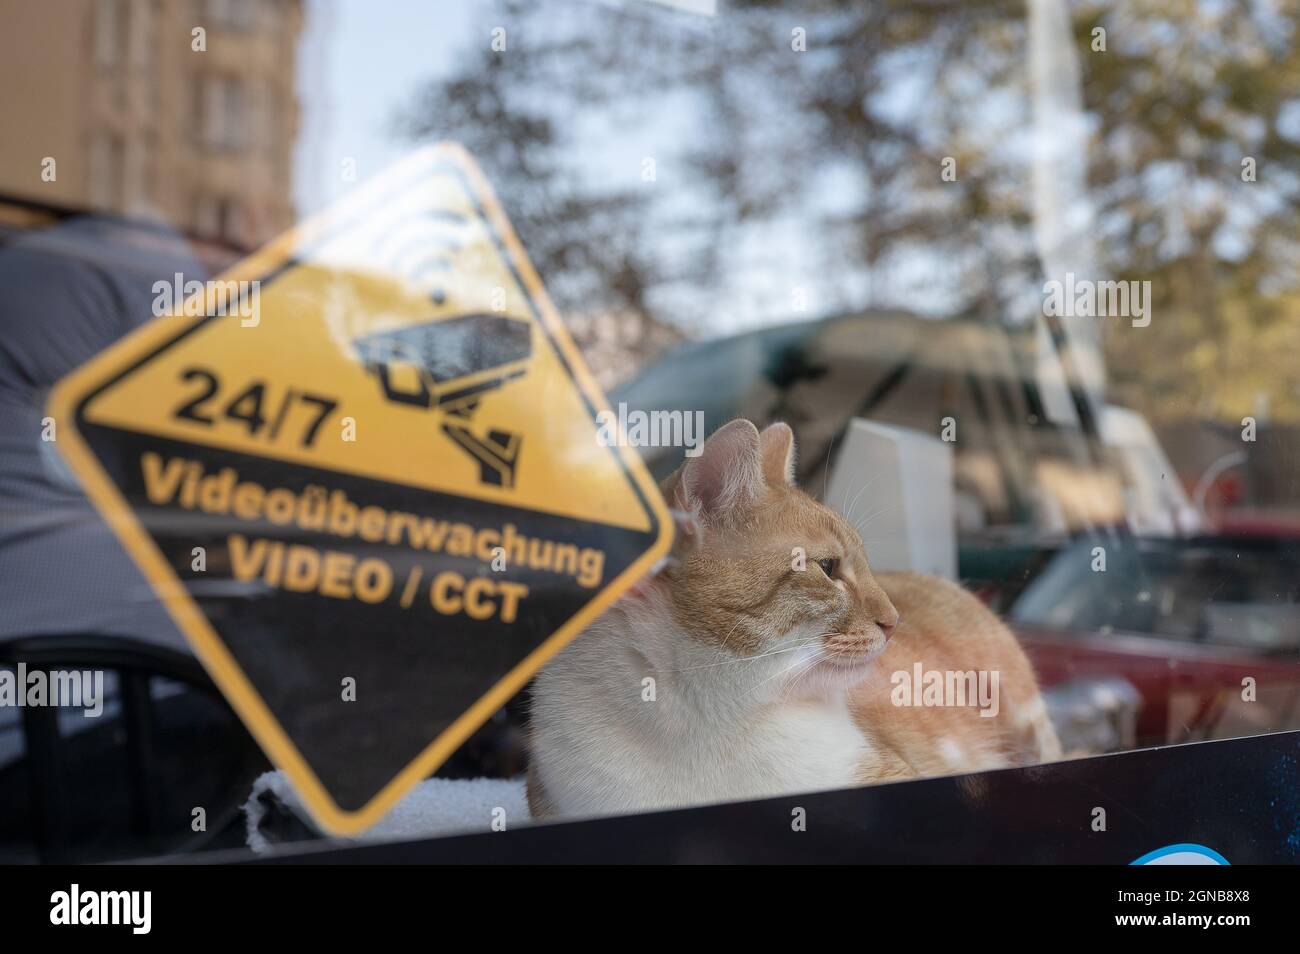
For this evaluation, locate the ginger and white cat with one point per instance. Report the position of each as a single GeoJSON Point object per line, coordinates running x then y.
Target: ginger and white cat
{"type": "Point", "coordinates": [768, 679]}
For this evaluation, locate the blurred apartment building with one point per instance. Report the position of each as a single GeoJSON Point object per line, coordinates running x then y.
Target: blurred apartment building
{"type": "Point", "coordinates": [141, 123]}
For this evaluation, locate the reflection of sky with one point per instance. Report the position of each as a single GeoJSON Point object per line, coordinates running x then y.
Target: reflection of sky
{"type": "Point", "coordinates": [361, 63]}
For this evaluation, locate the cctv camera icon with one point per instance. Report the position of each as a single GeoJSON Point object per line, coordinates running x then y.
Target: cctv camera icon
{"type": "Point", "coordinates": [448, 365]}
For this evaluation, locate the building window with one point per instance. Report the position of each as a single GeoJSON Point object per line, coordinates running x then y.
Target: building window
{"type": "Point", "coordinates": [141, 30]}
{"type": "Point", "coordinates": [222, 113]}
{"type": "Point", "coordinates": [232, 224]}
{"type": "Point", "coordinates": [272, 120]}
{"type": "Point", "coordinates": [218, 218]}
{"type": "Point", "coordinates": [108, 32]}
{"type": "Point", "coordinates": [138, 193]}
{"type": "Point", "coordinates": [106, 171]}
{"type": "Point", "coordinates": [228, 14]}
{"type": "Point", "coordinates": [207, 217]}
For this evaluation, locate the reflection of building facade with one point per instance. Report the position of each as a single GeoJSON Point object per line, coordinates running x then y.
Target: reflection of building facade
{"type": "Point", "coordinates": [140, 122]}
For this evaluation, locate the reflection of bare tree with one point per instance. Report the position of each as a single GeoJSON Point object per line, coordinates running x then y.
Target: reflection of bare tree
{"type": "Point", "coordinates": [838, 151]}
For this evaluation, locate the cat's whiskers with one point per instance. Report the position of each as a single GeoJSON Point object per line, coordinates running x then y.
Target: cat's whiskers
{"type": "Point", "coordinates": [848, 511]}
{"type": "Point", "coordinates": [816, 658]}
{"type": "Point", "coordinates": [723, 647]}
{"type": "Point", "coordinates": [826, 471]}
{"type": "Point", "coordinates": [732, 662]}
{"type": "Point", "coordinates": [848, 515]}
{"type": "Point", "coordinates": [743, 659]}
{"type": "Point", "coordinates": [812, 663]}
{"type": "Point", "coordinates": [788, 669]}
{"type": "Point", "coordinates": [866, 523]}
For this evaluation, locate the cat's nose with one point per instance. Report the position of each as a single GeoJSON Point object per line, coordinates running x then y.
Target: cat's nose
{"type": "Point", "coordinates": [887, 626]}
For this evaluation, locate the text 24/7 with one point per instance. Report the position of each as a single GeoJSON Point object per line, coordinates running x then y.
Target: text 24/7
{"type": "Point", "coordinates": [248, 407]}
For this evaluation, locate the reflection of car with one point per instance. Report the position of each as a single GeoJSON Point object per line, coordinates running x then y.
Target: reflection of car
{"type": "Point", "coordinates": [79, 786]}
{"type": "Point", "coordinates": [1013, 467]}
{"type": "Point", "coordinates": [1156, 503]}
{"type": "Point", "coordinates": [1021, 482]}
{"type": "Point", "coordinates": [1185, 621]}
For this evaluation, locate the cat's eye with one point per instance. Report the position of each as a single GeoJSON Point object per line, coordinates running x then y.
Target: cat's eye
{"type": "Point", "coordinates": [829, 566]}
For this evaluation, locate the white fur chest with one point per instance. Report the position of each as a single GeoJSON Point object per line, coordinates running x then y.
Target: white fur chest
{"type": "Point", "coordinates": [597, 759]}
{"type": "Point", "coordinates": [711, 730]}
{"type": "Point", "coordinates": [795, 748]}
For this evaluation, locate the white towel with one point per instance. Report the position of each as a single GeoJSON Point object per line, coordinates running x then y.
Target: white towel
{"type": "Point", "coordinates": [437, 806]}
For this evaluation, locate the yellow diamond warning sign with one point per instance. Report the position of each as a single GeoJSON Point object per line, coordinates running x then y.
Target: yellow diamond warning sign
{"type": "Point", "coordinates": [375, 435]}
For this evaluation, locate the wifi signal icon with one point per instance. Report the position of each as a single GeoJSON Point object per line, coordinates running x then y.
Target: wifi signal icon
{"type": "Point", "coordinates": [421, 247]}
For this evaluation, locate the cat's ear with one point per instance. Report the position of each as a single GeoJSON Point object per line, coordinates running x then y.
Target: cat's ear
{"type": "Point", "coordinates": [777, 445]}
{"type": "Point", "coordinates": [726, 476]}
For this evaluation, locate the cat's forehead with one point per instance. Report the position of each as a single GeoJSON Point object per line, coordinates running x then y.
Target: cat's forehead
{"type": "Point", "coordinates": [791, 513]}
